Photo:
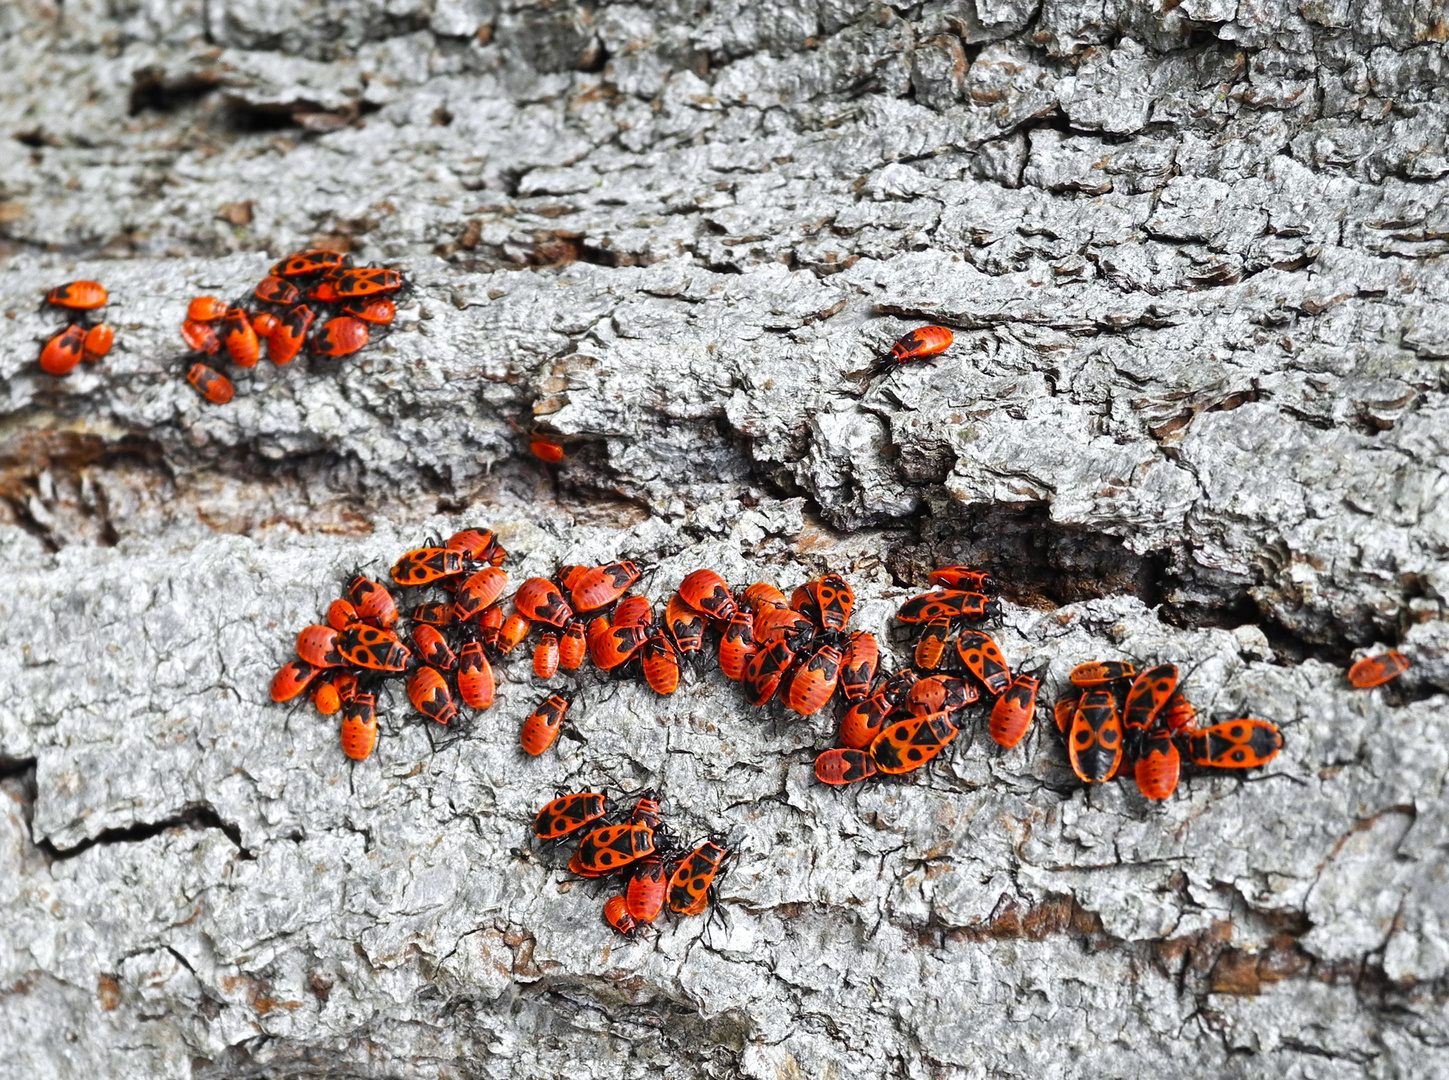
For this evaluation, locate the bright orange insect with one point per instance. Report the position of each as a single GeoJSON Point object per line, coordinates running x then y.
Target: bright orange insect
{"type": "Point", "coordinates": [98, 342]}
{"type": "Point", "coordinates": [377, 312]}
{"type": "Point", "coordinates": [514, 629]}
{"type": "Point", "coordinates": [341, 335]}
{"type": "Point", "coordinates": [80, 295]}
{"type": "Point", "coordinates": [615, 645]}
{"type": "Point", "coordinates": [324, 697]}
{"type": "Point", "coordinates": [433, 647]}
{"type": "Point", "coordinates": [368, 647]}
{"type": "Point", "coordinates": [1146, 697]}
{"type": "Point", "coordinates": [962, 577]}
{"type": "Point", "coordinates": [543, 724]}
{"type": "Point", "coordinates": [359, 726]}
{"type": "Point", "coordinates": [1376, 670]}
{"type": "Point", "coordinates": [632, 611]}
{"type": "Point", "coordinates": [200, 336]}
{"type": "Point", "coordinates": [479, 590]}
{"type": "Point", "coordinates": [1158, 766]}
{"type": "Point", "coordinates": [686, 626]}
{"type": "Point", "coordinates": [950, 603]}
{"type": "Point", "coordinates": [660, 662]}
{"type": "Point", "coordinates": [373, 602]}
{"type": "Point", "coordinates": [285, 342]}
{"type": "Point", "coordinates": [423, 565]}
{"type": "Point", "coordinates": [291, 679]}
{"type": "Point", "coordinates": [317, 645]}
{"type": "Point", "coordinates": [616, 914]}
{"type": "Point", "coordinates": [932, 644]}
{"type": "Point", "coordinates": [572, 646]}
{"type": "Point", "coordinates": [366, 281]}
{"type": "Point", "coordinates": [210, 383]}
{"type": "Point", "coordinates": [264, 322]}
{"type": "Point", "coordinates": [539, 600]}
{"type": "Point", "coordinates": [764, 671]}
{"type": "Point", "coordinates": [239, 338]}
{"type": "Point", "coordinates": [835, 600]}
{"type": "Point", "coordinates": [857, 665]}
{"type": "Point", "coordinates": [309, 262]}
{"type": "Point", "coordinates": [763, 594]}
{"type": "Point", "coordinates": [843, 765]}
{"type": "Point", "coordinates": [569, 813]}
{"type": "Point", "coordinates": [545, 655]}
{"type": "Point", "coordinates": [705, 591]}
{"type": "Point", "coordinates": [475, 680]}
{"type": "Point", "coordinates": [737, 644]}
{"type": "Point", "coordinates": [341, 614]}
{"type": "Point", "coordinates": [205, 309]}
{"type": "Point", "coordinates": [545, 448]}
{"type": "Point", "coordinates": [1011, 714]}
{"type": "Point", "coordinates": [63, 351]}
{"type": "Point", "coordinates": [272, 290]}
{"type": "Point", "coordinates": [428, 691]}
{"type": "Point", "coordinates": [814, 681]}
{"type": "Point", "coordinates": [1101, 672]}
{"type": "Point", "coordinates": [648, 888]}
{"type": "Point", "coordinates": [921, 342]}
{"type": "Point", "coordinates": [602, 585]}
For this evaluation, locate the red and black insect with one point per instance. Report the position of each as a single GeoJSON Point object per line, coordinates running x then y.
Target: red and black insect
{"type": "Point", "coordinates": [1158, 764]}
{"type": "Point", "coordinates": [341, 335]}
{"type": "Point", "coordinates": [78, 295]}
{"type": "Point", "coordinates": [1012, 712]}
{"type": "Point", "coordinates": [921, 342]}
{"type": "Point", "coordinates": [686, 626]}
{"type": "Point", "coordinates": [834, 599]}
{"type": "Point", "coordinates": [434, 613]}
{"type": "Point", "coordinates": [359, 726]}
{"type": "Point", "coordinates": [764, 671]}
{"type": "Point", "coordinates": [433, 647]}
{"type": "Point", "coordinates": [602, 585]}
{"type": "Point", "coordinates": [857, 665]}
{"type": "Point", "coordinates": [378, 312]}
{"type": "Point", "coordinates": [285, 342]}
{"type": "Point", "coordinates": [905, 745]}
{"type": "Point", "coordinates": [982, 657]}
{"type": "Point", "coordinates": [539, 600]}
{"type": "Point", "coordinates": [784, 625]}
{"type": "Point", "coordinates": [1094, 739]}
{"type": "Point", "coordinates": [428, 691]}
{"type": "Point", "coordinates": [302, 263]}
{"type": "Point", "coordinates": [607, 848]}
{"type": "Point", "coordinates": [373, 602]}
{"type": "Point", "coordinates": [692, 882]}
{"type": "Point", "coordinates": [369, 647]}
{"type": "Point", "coordinates": [271, 290]}
{"type": "Point", "coordinates": [861, 723]}
{"type": "Point", "coordinates": [616, 914]}
{"type": "Point", "coordinates": [543, 724]}
{"type": "Point", "coordinates": [660, 662]}
{"type": "Point", "coordinates": [615, 645]}
{"type": "Point", "coordinates": [423, 565]}
{"type": "Point", "coordinates": [291, 679]}
{"type": "Point", "coordinates": [478, 591]}
{"type": "Point", "coordinates": [648, 887]}
{"type": "Point", "coordinates": [762, 595]}
{"type": "Point", "coordinates": [1233, 744]}
{"type": "Point", "coordinates": [366, 281]}
{"type": "Point", "coordinates": [572, 645]}
{"type": "Point", "coordinates": [737, 644]}
{"type": "Point", "coordinates": [705, 591]}
{"type": "Point", "coordinates": [950, 604]}
{"type": "Point", "coordinates": [940, 693]}
{"type": "Point", "coordinates": [814, 681]}
{"type": "Point", "coordinates": [962, 577]}
{"type": "Point", "coordinates": [62, 352]}
{"type": "Point", "coordinates": [545, 448]}
{"type": "Point", "coordinates": [931, 645]}
{"type": "Point", "coordinates": [514, 629]}
{"type": "Point", "coordinates": [200, 336]}
{"type": "Point", "coordinates": [239, 338]}
{"type": "Point", "coordinates": [545, 655]}
{"type": "Point", "coordinates": [1146, 697]}
{"type": "Point", "coordinates": [475, 680]}
{"type": "Point", "coordinates": [632, 611]}
{"type": "Point", "coordinates": [568, 813]}
{"type": "Point", "coordinates": [341, 614]}
{"type": "Point", "coordinates": [1101, 672]}
{"type": "Point", "coordinates": [843, 765]}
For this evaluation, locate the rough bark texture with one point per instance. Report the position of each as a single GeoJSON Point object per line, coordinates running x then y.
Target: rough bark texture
{"type": "Point", "coordinates": [1194, 257]}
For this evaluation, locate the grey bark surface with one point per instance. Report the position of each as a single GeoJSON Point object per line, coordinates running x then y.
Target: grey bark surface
{"type": "Point", "coordinates": [1194, 257]}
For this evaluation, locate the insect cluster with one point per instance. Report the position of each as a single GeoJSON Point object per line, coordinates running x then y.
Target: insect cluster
{"type": "Point", "coordinates": [346, 661]}
{"type": "Point", "coordinates": [637, 851]}
{"type": "Point", "coordinates": [83, 338]}
{"type": "Point", "coordinates": [306, 289]}
{"type": "Point", "coordinates": [904, 719]}
{"type": "Point", "coordinates": [1116, 717]}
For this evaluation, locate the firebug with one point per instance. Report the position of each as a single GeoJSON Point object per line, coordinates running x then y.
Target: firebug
{"type": "Point", "coordinates": [428, 691]}
{"type": "Point", "coordinates": [843, 765]}
{"type": "Point", "coordinates": [1376, 670]}
{"type": "Point", "coordinates": [80, 295]}
{"type": "Point", "coordinates": [475, 676]}
{"type": "Point", "coordinates": [543, 724]}
{"type": "Point", "coordinates": [63, 351]}
{"type": "Point", "coordinates": [569, 813]}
